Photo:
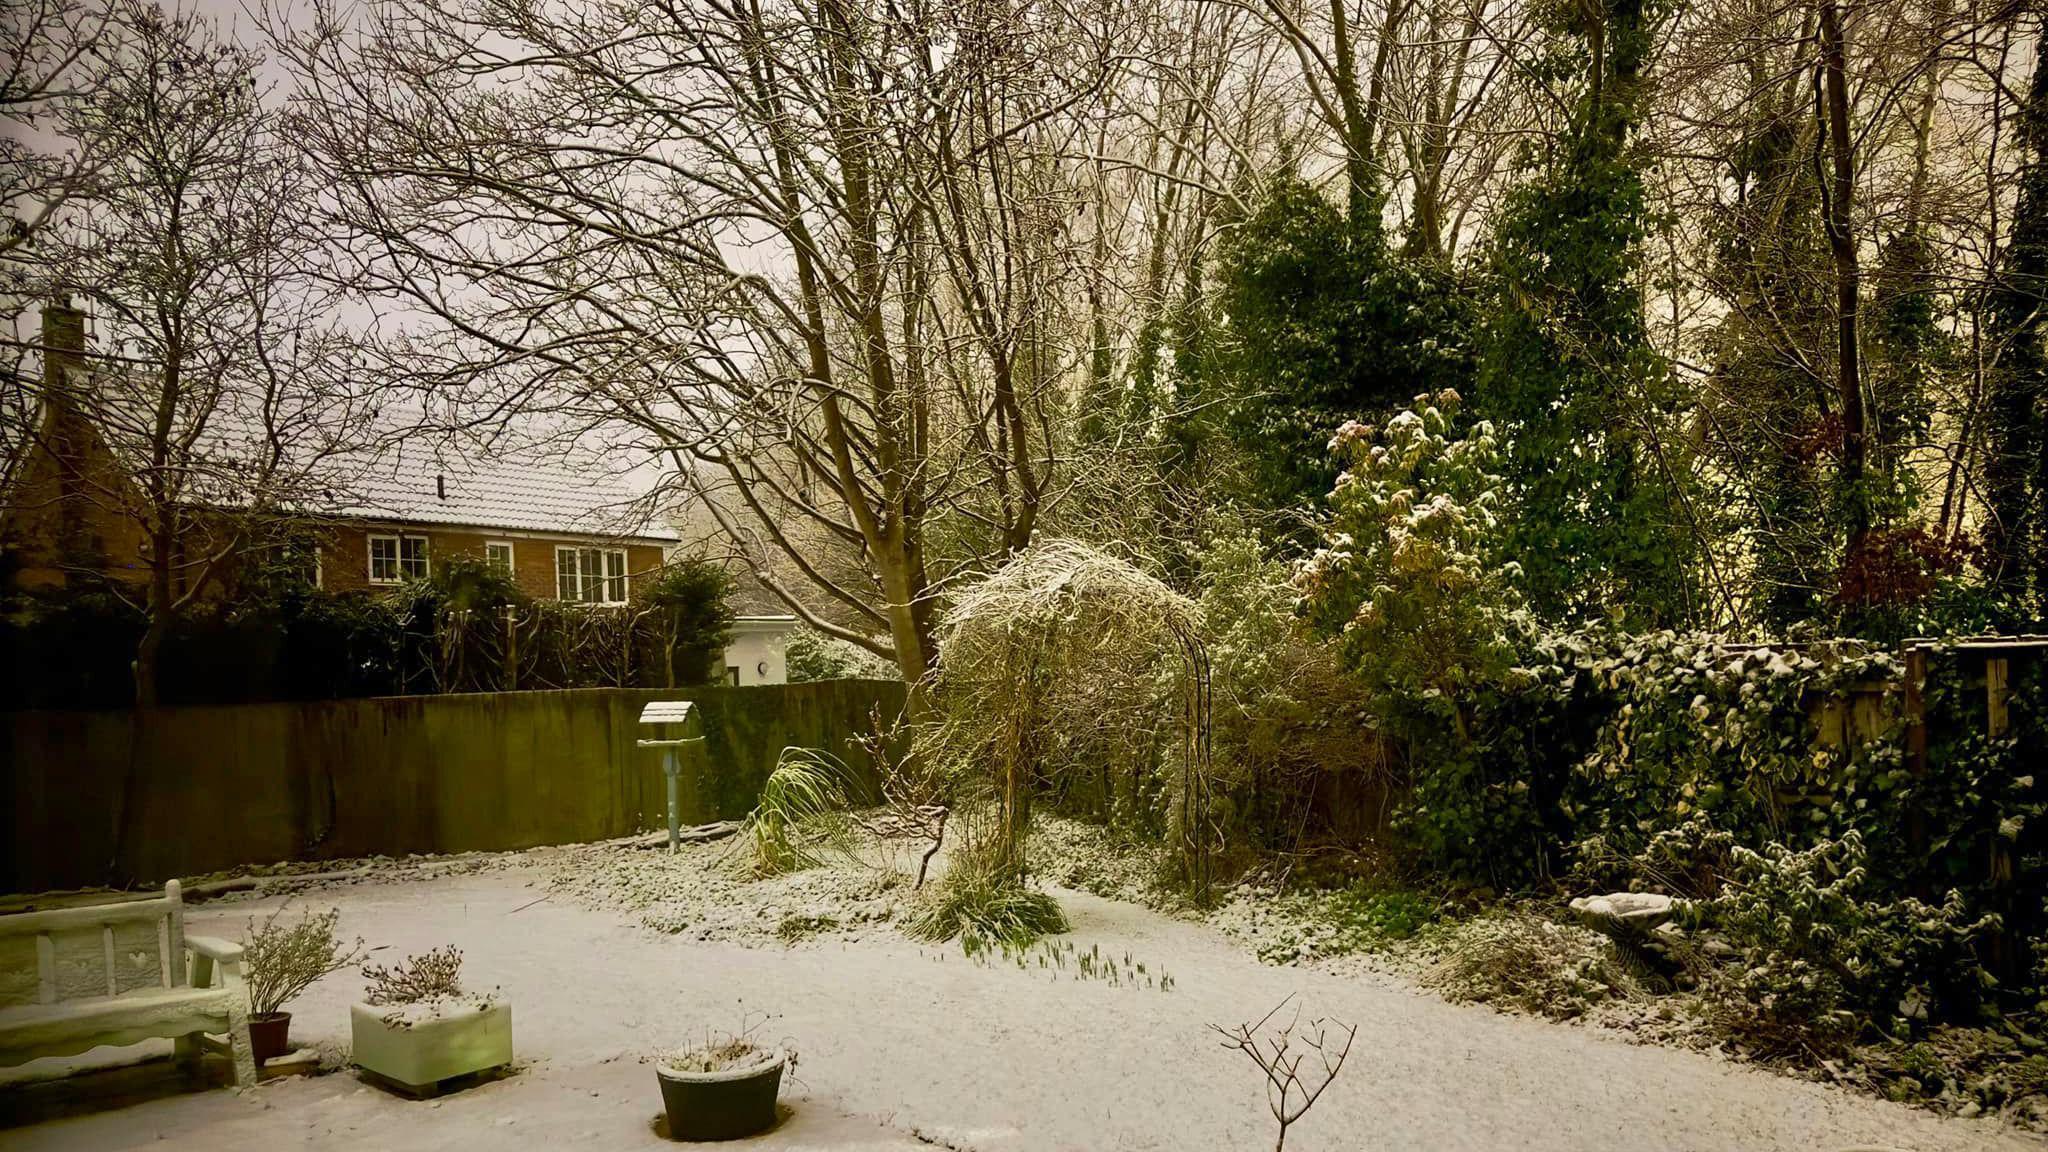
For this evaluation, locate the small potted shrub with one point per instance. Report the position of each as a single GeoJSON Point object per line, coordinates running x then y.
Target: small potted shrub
{"type": "Point", "coordinates": [723, 1088]}
{"type": "Point", "coordinates": [416, 1027]}
{"type": "Point", "coordinates": [283, 960]}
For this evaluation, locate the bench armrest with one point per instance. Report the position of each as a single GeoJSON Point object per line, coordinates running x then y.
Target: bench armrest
{"type": "Point", "coordinates": [215, 948]}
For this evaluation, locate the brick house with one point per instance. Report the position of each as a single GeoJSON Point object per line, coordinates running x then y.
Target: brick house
{"type": "Point", "coordinates": [561, 535]}
{"type": "Point", "coordinates": [395, 515]}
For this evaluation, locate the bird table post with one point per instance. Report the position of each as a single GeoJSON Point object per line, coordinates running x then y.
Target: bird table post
{"type": "Point", "coordinates": [668, 717]}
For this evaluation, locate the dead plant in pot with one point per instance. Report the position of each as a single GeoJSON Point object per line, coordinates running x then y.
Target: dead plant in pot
{"type": "Point", "coordinates": [282, 960]}
{"type": "Point", "coordinates": [417, 1027]}
{"type": "Point", "coordinates": [724, 1086]}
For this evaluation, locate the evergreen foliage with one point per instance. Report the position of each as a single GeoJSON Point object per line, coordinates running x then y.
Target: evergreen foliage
{"type": "Point", "coordinates": [280, 638]}
{"type": "Point", "coordinates": [1325, 325]}
{"type": "Point", "coordinates": [1582, 400]}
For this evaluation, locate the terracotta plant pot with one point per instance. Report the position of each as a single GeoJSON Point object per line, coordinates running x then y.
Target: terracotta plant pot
{"type": "Point", "coordinates": [721, 1105]}
{"type": "Point", "coordinates": [270, 1035]}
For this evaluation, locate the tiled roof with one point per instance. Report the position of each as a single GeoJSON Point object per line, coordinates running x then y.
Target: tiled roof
{"type": "Point", "coordinates": [419, 485]}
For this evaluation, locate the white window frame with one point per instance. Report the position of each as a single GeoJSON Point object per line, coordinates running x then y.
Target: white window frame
{"type": "Point", "coordinates": [398, 542]}
{"type": "Point", "coordinates": [611, 588]}
{"type": "Point", "coordinates": [511, 555]}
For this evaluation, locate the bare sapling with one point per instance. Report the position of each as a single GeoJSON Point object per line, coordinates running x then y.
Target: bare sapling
{"type": "Point", "coordinates": [1290, 1092]}
{"type": "Point", "coordinates": [917, 793]}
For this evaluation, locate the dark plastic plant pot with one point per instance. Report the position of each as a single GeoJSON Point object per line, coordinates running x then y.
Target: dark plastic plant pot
{"type": "Point", "coordinates": [270, 1035]}
{"type": "Point", "coordinates": [720, 1105]}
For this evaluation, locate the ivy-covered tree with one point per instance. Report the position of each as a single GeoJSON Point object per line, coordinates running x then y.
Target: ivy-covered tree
{"type": "Point", "coordinates": [1325, 325]}
{"type": "Point", "coordinates": [1767, 400]}
{"type": "Point", "coordinates": [1568, 372]}
{"type": "Point", "coordinates": [2016, 467]}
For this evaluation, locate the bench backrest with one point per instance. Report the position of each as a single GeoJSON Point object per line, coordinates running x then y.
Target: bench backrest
{"type": "Point", "coordinates": [94, 952]}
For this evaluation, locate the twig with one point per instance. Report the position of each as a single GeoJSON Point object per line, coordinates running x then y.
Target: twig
{"type": "Point", "coordinates": [1281, 1063]}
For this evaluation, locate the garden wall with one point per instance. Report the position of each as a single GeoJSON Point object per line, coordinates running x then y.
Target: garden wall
{"type": "Point", "coordinates": [214, 788]}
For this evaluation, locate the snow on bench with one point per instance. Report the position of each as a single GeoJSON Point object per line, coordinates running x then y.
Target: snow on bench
{"type": "Point", "coordinates": [76, 978]}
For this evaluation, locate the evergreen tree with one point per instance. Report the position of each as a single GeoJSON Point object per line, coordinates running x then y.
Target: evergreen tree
{"type": "Point", "coordinates": [1326, 325]}
{"type": "Point", "coordinates": [1568, 372]}
{"type": "Point", "coordinates": [2016, 472]}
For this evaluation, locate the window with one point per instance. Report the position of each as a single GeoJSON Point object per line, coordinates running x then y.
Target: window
{"type": "Point", "coordinates": [732, 675]}
{"type": "Point", "coordinates": [591, 575]}
{"type": "Point", "coordinates": [498, 554]}
{"type": "Point", "coordinates": [397, 558]}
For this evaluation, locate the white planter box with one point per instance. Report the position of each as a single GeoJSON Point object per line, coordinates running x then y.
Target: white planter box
{"type": "Point", "coordinates": [420, 1045]}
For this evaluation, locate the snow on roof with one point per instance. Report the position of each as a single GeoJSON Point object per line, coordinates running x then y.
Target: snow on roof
{"type": "Point", "coordinates": [344, 463]}
{"type": "Point", "coordinates": [420, 486]}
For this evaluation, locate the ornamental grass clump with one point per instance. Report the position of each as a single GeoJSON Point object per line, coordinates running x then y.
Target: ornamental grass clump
{"type": "Point", "coordinates": [987, 908]}
{"type": "Point", "coordinates": [283, 960]}
{"type": "Point", "coordinates": [802, 809]}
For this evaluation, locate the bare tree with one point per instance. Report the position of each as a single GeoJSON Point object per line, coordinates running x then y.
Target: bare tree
{"type": "Point", "coordinates": [50, 50]}
{"type": "Point", "coordinates": [818, 257]}
{"type": "Point", "coordinates": [206, 423]}
{"type": "Point", "coordinates": [1280, 1055]}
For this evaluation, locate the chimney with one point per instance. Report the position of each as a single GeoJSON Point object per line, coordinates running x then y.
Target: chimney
{"type": "Point", "coordinates": [441, 485]}
{"type": "Point", "coordinates": [64, 357]}
{"type": "Point", "coordinates": [63, 344]}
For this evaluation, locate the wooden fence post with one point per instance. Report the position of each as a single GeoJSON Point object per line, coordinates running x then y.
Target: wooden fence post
{"type": "Point", "coordinates": [1997, 675]}
{"type": "Point", "coordinates": [2005, 962]}
{"type": "Point", "coordinates": [1916, 741]}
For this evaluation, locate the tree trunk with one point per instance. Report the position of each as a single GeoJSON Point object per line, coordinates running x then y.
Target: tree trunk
{"type": "Point", "coordinates": [2016, 435]}
{"type": "Point", "coordinates": [158, 609]}
{"type": "Point", "coordinates": [1840, 224]}
{"type": "Point", "coordinates": [146, 656]}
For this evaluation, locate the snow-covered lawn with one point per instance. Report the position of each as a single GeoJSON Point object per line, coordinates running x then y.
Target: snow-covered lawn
{"type": "Point", "coordinates": [906, 1046]}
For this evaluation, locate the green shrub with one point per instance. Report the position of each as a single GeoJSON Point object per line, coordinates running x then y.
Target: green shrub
{"type": "Point", "coordinates": [1312, 924]}
{"type": "Point", "coordinates": [811, 655]}
{"type": "Point", "coordinates": [1818, 962]}
{"type": "Point", "coordinates": [693, 618]}
{"type": "Point", "coordinates": [1516, 959]}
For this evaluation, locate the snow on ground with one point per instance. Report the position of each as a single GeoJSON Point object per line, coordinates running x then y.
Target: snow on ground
{"type": "Point", "coordinates": [906, 1046]}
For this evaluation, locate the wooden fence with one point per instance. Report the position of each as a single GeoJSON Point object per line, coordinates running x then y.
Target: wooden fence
{"type": "Point", "coordinates": [141, 796]}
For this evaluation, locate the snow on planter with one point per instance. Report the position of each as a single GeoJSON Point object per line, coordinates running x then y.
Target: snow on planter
{"type": "Point", "coordinates": [419, 1045]}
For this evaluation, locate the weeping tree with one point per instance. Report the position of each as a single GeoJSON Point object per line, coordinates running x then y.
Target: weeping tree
{"type": "Point", "coordinates": [1062, 637]}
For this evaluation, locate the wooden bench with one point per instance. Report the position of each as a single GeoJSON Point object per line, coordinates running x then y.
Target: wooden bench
{"type": "Point", "coordinates": [76, 978]}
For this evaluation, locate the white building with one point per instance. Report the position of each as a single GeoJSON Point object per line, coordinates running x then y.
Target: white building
{"type": "Point", "coordinates": [756, 654]}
